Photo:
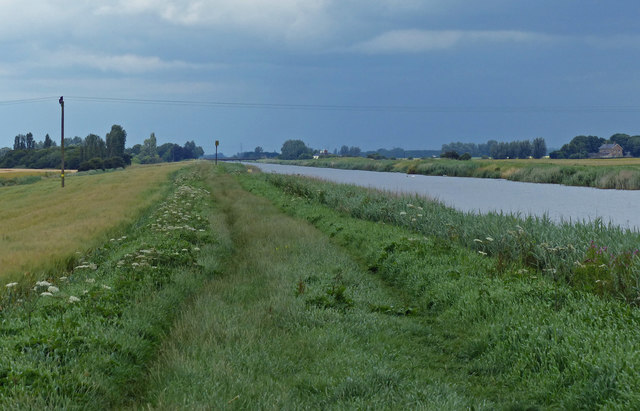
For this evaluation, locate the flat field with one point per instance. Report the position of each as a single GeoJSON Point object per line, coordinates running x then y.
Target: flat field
{"type": "Point", "coordinates": [41, 223]}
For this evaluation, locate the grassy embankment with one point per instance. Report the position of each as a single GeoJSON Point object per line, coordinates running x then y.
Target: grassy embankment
{"type": "Point", "coordinates": [82, 338]}
{"type": "Point", "coordinates": [363, 314]}
{"type": "Point", "coordinates": [335, 313]}
{"type": "Point", "coordinates": [621, 173]}
{"type": "Point", "coordinates": [43, 225]}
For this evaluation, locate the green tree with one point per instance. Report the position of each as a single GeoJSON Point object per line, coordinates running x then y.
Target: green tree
{"type": "Point", "coordinates": [93, 147]}
{"type": "Point", "coordinates": [116, 140]}
{"type": "Point", "coordinates": [539, 149]}
{"type": "Point", "coordinates": [47, 141]}
{"type": "Point", "coordinates": [149, 151]}
{"type": "Point", "coordinates": [294, 149]}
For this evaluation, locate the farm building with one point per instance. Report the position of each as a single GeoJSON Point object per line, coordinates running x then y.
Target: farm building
{"type": "Point", "coordinates": [609, 151]}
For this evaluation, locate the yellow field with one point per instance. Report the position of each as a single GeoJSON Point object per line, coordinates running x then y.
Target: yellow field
{"type": "Point", "coordinates": [26, 172]}
{"type": "Point", "coordinates": [43, 223]}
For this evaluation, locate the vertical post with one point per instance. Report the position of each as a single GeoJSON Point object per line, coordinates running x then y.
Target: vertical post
{"type": "Point", "coordinates": [217, 143]}
{"type": "Point", "coordinates": [61, 101]}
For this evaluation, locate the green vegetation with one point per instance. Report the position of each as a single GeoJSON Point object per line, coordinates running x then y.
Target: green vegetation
{"type": "Point", "coordinates": [589, 256]}
{"type": "Point", "coordinates": [622, 174]}
{"type": "Point", "coordinates": [238, 290]}
{"type": "Point", "coordinates": [42, 225]}
{"type": "Point", "coordinates": [83, 337]}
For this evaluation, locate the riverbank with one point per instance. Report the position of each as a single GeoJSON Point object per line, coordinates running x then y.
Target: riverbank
{"type": "Point", "coordinates": [621, 174]}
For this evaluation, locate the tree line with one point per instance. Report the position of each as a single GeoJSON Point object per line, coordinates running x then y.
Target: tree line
{"type": "Point", "coordinates": [582, 146]}
{"type": "Point", "coordinates": [93, 152]}
{"type": "Point", "coordinates": [499, 150]}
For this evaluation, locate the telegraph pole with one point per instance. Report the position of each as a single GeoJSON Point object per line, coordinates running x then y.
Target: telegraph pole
{"type": "Point", "coordinates": [217, 143]}
{"type": "Point", "coordinates": [61, 101]}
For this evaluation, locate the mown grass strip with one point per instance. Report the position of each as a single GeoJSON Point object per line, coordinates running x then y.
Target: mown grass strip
{"type": "Point", "coordinates": [83, 340]}
{"type": "Point", "coordinates": [293, 322]}
{"type": "Point", "coordinates": [43, 225]}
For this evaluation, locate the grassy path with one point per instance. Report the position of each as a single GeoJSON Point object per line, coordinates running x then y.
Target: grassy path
{"type": "Point", "coordinates": [295, 322]}
{"type": "Point", "coordinates": [341, 313]}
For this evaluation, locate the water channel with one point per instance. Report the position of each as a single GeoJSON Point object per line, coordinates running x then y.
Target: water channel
{"type": "Point", "coordinates": [478, 195]}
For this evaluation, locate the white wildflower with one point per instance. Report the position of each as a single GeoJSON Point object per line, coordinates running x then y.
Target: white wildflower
{"type": "Point", "coordinates": [482, 253]}
{"type": "Point", "coordinates": [73, 299]}
{"type": "Point", "coordinates": [106, 287]}
{"type": "Point", "coordinates": [90, 280]}
{"type": "Point", "coordinates": [196, 248]}
{"type": "Point", "coordinates": [53, 289]}
{"type": "Point", "coordinates": [43, 283]}
{"type": "Point", "coordinates": [46, 294]}
{"type": "Point", "coordinates": [11, 285]}
{"type": "Point", "coordinates": [403, 213]}
{"type": "Point", "coordinates": [64, 278]}
{"type": "Point", "coordinates": [489, 238]}
{"type": "Point", "coordinates": [477, 240]}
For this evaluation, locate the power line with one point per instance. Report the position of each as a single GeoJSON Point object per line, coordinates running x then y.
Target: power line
{"type": "Point", "coordinates": [338, 107]}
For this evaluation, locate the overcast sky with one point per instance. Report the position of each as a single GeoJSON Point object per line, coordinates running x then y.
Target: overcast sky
{"type": "Point", "coordinates": [369, 73]}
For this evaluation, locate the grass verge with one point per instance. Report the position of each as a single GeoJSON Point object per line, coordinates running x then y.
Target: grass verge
{"type": "Point", "coordinates": [43, 225]}
{"type": "Point", "coordinates": [84, 339]}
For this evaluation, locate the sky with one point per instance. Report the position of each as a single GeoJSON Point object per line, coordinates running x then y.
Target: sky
{"type": "Point", "coordinates": [376, 74]}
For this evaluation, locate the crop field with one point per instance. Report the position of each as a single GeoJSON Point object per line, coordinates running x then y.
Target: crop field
{"type": "Point", "coordinates": [42, 223]}
{"type": "Point", "coordinates": [212, 287]}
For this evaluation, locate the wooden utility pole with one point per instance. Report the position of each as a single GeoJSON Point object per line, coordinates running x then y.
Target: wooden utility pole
{"type": "Point", "coordinates": [217, 143]}
{"type": "Point", "coordinates": [61, 101]}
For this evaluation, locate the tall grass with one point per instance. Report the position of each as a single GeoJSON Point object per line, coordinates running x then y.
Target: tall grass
{"type": "Point", "coordinates": [559, 251]}
{"type": "Point", "coordinates": [42, 222]}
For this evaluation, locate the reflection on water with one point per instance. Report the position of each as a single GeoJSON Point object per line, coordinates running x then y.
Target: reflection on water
{"type": "Point", "coordinates": [560, 203]}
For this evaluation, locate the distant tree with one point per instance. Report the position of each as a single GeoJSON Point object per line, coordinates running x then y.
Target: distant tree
{"type": "Point", "coordinates": [450, 154]}
{"type": "Point", "coordinates": [47, 141]}
{"type": "Point", "coordinates": [539, 148]}
{"type": "Point", "coordinates": [344, 151]}
{"type": "Point", "coordinates": [30, 142]}
{"type": "Point", "coordinates": [115, 141]}
{"type": "Point", "coordinates": [93, 147]}
{"type": "Point", "coordinates": [149, 151]}
{"type": "Point", "coordinates": [354, 151]}
{"type": "Point", "coordinates": [258, 150]}
{"type": "Point", "coordinates": [465, 156]}
{"type": "Point", "coordinates": [294, 149]}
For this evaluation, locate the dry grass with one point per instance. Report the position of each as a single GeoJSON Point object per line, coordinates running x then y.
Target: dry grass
{"type": "Point", "coordinates": [42, 223]}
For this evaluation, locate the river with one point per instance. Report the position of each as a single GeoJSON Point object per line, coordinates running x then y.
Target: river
{"type": "Point", "coordinates": [479, 195]}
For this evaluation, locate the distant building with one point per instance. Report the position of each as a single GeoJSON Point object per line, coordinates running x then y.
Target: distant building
{"type": "Point", "coordinates": [608, 151]}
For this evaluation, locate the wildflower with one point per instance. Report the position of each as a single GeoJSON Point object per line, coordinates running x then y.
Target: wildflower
{"type": "Point", "coordinates": [53, 289]}
{"type": "Point", "coordinates": [489, 239]}
{"type": "Point", "coordinates": [46, 294]}
{"type": "Point", "coordinates": [482, 253]}
{"type": "Point", "coordinates": [90, 280]}
{"type": "Point", "coordinates": [43, 284]}
{"type": "Point", "coordinates": [73, 299]}
{"type": "Point", "coordinates": [403, 213]}
{"type": "Point", "coordinates": [419, 215]}
{"type": "Point", "coordinates": [477, 240]}
{"type": "Point", "coordinates": [196, 248]}
{"type": "Point", "coordinates": [11, 285]}
{"type": "Point", "coordinates": [410, 205]}
{"type": "Point", "coordinates": [93, 266]}
{"type": "Point", "coordinates": [106, 287]}
{"type": "Point", "coordinates": [64, 278]}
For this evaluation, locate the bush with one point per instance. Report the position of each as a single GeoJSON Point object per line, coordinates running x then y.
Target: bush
{"type": "Point", "coordinates": [465, 156]}
{"type": "Point", "coordinates": [450, 154]}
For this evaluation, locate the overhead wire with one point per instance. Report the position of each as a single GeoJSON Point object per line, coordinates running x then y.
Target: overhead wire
{"type": "Point", "coordinates": [335, 107]}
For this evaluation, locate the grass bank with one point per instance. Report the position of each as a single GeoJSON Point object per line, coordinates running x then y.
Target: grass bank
{"type": "Point", "coordinates": [623, 174]}
{"type": "Point", "coordinates": [83, 339]}
{"type": "Point", "coordinates": [588, 256]}
{"type": "Point", "coordinates": [42, 222]}
{"type": "Point", "coordinates": [344, 313]}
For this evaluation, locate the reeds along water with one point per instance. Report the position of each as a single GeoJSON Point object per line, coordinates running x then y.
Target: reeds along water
{"type": "Point", "coordinates": [560, 251]}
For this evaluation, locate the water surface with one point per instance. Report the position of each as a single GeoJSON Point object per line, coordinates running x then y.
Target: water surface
{"type": "Point", "coordinates": [479, 195]}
